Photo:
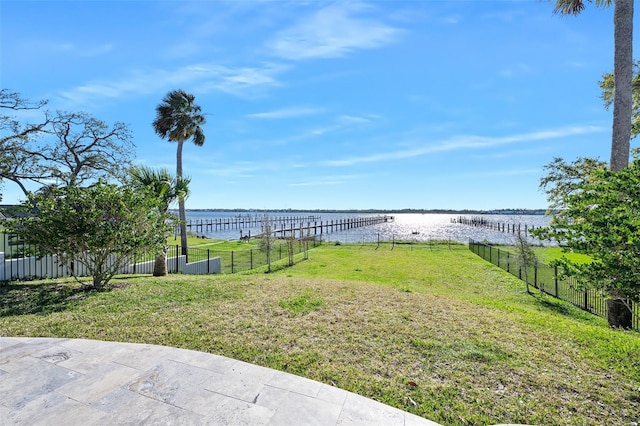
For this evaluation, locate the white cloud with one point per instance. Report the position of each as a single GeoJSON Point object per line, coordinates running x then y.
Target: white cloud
{"type": "Point", "coordinates": [505, 16]}
{"type": "Point", "coordinates": [318, 183]}
{"type": "Point", "coordinates": [244, 169]}
{"type": "Point", "coordinates": [515, 70]}
{"type": "Point", "coordinates": [466, 142]}
{"type": "Point", "coordinates": [207, 77]}
{"type": "Point", "coordinates": [497, 173]}
{"type": "Point", "coordinates": [332, 32]}
{"type": "Point", "coordinates": [575, 64]}
{"type": "Point", "coordinates": [42, 47]}
{"type": "Point", "coordinates": [243, 81]}
{"type": "Point", "coordinates": [327, 180]}
{"type": "Point", "coordinates": [286, 113]}
{"type": "Point", "coordinates": [59, 47]}
{"type": "Point", "coordinates": [352, 119]}
{"type": "Point", "coordinates": [537, 150]}
{"type": "Point", "coordinates": [452, 19]}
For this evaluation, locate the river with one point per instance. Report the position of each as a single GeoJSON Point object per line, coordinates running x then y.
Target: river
{"type": "Point", "coordinates": [405, 226]}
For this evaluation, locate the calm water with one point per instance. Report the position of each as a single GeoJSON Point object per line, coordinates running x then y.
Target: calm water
{"type": "Point", "coordinates": [421, 227]}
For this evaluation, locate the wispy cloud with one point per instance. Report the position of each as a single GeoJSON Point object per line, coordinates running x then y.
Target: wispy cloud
{"type": "Point", "coordinates": [466, 142]}
{"type": "Point", "coordinates": [245, 169]}
{"type": "Point", "coordinates": [327, 180]}
{"type": "Point", "coordinates": [42, 47]}
{"type": "Point", "coordinates": [332, 32]}
{"type": "Point", "coordinates": [537, 150]}
{"type": "Point", "coordinates": [495, 173]}
{"type": "Point", "coordinates": [206, 77]}
{"type": "Point", "coordinates": [452, 19]}
{"type": "Point", "coordinates": [235, 171]}
{"type": "Point", "coordinates": [286, 113]}
{"type": "Point", "coordinates": [318, 183]}
{"type": "Point", "coordinates": [505, 16]}
{"type": "Point", "coordinates": [515, 70]}
{"type": "Point", "coordinates": [575, 64]}
{"type": "Point", "coordinates": [357, 119]}
{"type": "Point", "coordinates": [243, 81]}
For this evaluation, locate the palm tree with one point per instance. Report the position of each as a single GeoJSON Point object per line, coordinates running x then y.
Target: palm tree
{"type": "Point", "coordinates": [167, 189]}
{"type": "Point", "coordinates": [622, 99]}
{"type": "Point", "coordinates": [179, 119]}
{"type": "Point", "coordinates": [622, 71]}
{"type": "Point", "coordinates": [607, 86]}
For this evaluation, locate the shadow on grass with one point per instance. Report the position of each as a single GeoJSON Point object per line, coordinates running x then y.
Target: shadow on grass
{"type": "Point", "coordinates": [41, 297]}
{"type": "Point", "coordinates": [549, 303]}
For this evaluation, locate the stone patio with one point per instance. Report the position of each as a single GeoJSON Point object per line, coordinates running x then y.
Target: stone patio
{"type": "Point", "coordinates": [46, 381]}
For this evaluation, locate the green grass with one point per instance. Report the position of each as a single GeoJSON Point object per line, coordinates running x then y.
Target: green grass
{"type": "Point", "coordinates": [547, 254]}
{"type": "Point", "coordinates": [302, 304]}
{"type": "Point", "coordinates": [437, 332]}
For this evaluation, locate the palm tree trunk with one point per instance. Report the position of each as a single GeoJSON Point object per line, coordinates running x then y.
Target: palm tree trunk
{"type": "Point", "coordinates": [183, 226]}
{"type": "Point", "coordinates": [181, 210]}
{"type": "Point", "coordinates": [618, 314]}
{"type": "Point", "coordinates": [623, 75]}
{"type": "Point", "coordinates": [160, 264]}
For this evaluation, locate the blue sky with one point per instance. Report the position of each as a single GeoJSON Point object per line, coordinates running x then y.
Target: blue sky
{"type": "Point", "coordinates": [336, 105]}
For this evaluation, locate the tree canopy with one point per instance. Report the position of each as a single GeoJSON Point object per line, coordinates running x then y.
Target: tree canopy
{"type": "Point", "coordinates": [102, 226]}
{"type": "Point", "coordinates": [600, 217]}
{"type": "Point", "coordinates": [61, 148]}
{"type": "Point", "coordinates": [167, 189]}
{"type": "Point", "coordinates": [607, 85]}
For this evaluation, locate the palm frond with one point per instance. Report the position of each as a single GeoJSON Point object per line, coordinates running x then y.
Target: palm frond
{"type": "Point", "coordinates": [178, 118]}
{"type": "Point", "coordinates": [575, 7]}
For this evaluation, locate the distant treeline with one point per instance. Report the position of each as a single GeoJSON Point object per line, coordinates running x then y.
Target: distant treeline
{"type": "Point", "coordinates": [383, 211]}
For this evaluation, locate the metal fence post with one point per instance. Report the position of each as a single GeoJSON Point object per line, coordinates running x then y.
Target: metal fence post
{"type": "Point", "coordinates": [232, 261]}
{"type": "Point", "coordinates": [555, 270]}
{"type": "Point", "coordinates": [586, 300]}
{"type": "Point", "coordinates": [250, 258]}
{"type": "Point", "coordinates": [208, 261]}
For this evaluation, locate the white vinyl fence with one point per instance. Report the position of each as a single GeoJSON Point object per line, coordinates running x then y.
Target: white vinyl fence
{"type": "Point", "coordinates": [36, 267]}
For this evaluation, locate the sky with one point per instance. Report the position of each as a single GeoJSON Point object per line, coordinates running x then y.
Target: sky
{"type": "Point", "coordinates": [330, 105]}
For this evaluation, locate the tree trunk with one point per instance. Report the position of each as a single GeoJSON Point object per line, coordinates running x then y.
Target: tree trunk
{"type": "Point", "coordinates": [160, 264]}
{"type": "Point", "coordinates": [183, 226]}
{"type": "Point", "coordinates": [623, 75]}
{"type": "Point", "coordinates": [181, 210]}
{"type": "Point", "coordinates": [619, 313]}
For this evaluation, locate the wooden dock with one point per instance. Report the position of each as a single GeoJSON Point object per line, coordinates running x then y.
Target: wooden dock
{"type": "Point", "coordinates": [482, 222]}
{"type": "Point", "coordinates": [240, 222]}
{"type": "Point", "coordinates": [302, 229]}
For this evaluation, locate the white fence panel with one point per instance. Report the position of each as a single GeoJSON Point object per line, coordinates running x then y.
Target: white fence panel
{"type": "Point", "coordinates": [34, 267]}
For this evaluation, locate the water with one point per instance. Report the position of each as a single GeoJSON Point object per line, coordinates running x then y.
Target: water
{"type": "Point", "coordinates": [405, 226]}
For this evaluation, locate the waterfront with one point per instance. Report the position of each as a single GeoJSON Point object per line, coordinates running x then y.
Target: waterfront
{"type": "Point", "coordinates": [405, 226]}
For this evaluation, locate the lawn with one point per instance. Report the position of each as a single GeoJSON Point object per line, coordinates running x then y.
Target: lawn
{"type": "Point", "coordinates": [435, 331]}
{"type": "Point", "coordinates": [547, 254]}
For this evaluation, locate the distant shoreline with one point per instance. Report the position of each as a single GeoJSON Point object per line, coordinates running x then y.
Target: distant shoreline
{"type": "Point", "coordinates": [384, 211]}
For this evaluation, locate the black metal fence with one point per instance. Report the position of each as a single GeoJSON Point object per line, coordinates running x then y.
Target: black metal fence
{"type": "Point", "coordinates": [18, 261]}
{"type": "Point", "coordinates": [548, 279]}
{"type": "Point", "coordinates": [243, 260]}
